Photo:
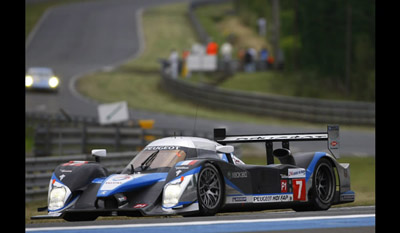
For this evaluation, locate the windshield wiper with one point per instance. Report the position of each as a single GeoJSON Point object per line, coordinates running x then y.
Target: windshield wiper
{"type": "Point", "coordinates": [146, 164]}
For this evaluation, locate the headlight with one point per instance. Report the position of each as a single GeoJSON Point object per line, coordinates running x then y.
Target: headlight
{"type": "Point", "coordinates": [28, 81]}
{"type": "Point", "coordinates": [56, 198]}
{"type": "Point", "coordinates": [172, 193]}
{"type": "Point", "coordinates": [53, 82]}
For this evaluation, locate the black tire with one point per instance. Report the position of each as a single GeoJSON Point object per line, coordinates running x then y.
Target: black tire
{"type": "Point", "coordinates": [322, 193]}
{"type": "Point", "coordinates": [210, 190]}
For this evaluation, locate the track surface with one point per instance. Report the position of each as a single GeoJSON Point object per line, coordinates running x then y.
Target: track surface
{"type": "Point", "coordinates": [346, 219]}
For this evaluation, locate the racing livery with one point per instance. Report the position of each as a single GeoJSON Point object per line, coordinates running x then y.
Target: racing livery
{"type": "Point", "coordinates": [197, 176]}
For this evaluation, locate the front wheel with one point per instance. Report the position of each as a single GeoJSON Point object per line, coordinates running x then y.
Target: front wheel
{"type": "Point", "coordinates": [210, 190]}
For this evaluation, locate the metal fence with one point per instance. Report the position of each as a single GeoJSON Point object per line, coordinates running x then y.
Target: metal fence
{"type": "Point", "coordinates": [55, 135]}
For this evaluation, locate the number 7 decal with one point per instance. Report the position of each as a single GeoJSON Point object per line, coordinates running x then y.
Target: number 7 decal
{"type": "Point", "coordinates": [299, 189]}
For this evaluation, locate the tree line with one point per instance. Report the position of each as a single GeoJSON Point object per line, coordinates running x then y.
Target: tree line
{"type": "Point", "coordinates": [334, 40]}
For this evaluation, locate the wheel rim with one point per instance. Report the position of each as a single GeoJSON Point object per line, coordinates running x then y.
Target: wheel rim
{"type": "Point", "coordinates": [209, 188]}
{"type": "Point", "coordinates": [324, 181]}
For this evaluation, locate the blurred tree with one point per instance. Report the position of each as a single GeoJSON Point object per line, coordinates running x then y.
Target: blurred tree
{"type": "Point", "coordinates": [335, 39]}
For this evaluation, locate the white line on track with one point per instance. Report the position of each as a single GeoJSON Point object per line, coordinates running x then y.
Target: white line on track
{"type": "Point", "coordinates": [199, 223]}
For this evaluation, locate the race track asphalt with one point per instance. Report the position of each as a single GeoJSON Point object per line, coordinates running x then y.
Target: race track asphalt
{"type": "Point", "coordinates": [344, 219]}
{"type": "Point", "coordinates": [79, 38]}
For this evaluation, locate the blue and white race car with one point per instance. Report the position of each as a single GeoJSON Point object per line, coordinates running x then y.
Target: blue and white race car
{"type": "Point", "coordinates": [197, 176]}
{"type": "Point", "coordinates": [41, 78]}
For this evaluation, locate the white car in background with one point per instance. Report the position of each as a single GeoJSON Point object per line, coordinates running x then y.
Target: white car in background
{"type": "Point", "coordinates": [41, 78]}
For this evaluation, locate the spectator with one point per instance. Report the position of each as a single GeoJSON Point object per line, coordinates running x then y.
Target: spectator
{"type": "Point", "coordinates": [263, 58]}
{"type": "Point", "coordinates": [249, 59]}
{"type": "Point", "coordinates": [240, 54]}
{"type": "Point", "coordinates": [173, 61]}
{"type": "Point", "coordinates": [185, 71]}
{"type": "Point", "coordinates": [226, 52]}
{"type": "Point", "coordinates": [262, 26]}
{"type": "Point", "coordinates": [212, 48]}
{"type": "Point", "coordinates": [270, 61]}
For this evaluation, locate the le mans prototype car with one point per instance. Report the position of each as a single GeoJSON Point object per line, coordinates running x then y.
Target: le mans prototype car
{"type": "Point", "coordinates": [196, 176]}
{"type": "Point", "coordinates": [41, 78]}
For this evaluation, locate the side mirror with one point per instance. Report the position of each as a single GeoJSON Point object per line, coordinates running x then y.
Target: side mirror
{"type": "Point", "coordinates": [225, 149]}
{"type": "Point", "coordinates": [97, 153]}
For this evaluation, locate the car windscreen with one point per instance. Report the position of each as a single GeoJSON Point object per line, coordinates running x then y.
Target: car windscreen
{"type": "Point", "coordinates": [40, 72]}
{"type": "Point", "coordinates": [151, 159]}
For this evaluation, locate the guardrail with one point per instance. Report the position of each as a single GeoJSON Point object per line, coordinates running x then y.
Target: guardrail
{"type": "Point", "coordinates": [55, 135]}
{"type": "Point", "coordinates": [298, 108]}
{"type": "Point", "coordinates": [38, 170]}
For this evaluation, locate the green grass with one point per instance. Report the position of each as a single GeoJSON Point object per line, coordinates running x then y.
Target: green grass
{"type": "Point", "coordinates": [283, 83]}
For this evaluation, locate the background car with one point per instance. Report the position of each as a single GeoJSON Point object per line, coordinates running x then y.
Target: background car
{"type": "Point", "coordinates": [41, 78]}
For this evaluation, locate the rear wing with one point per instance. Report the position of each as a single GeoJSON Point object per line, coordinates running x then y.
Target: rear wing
{"type": "Point", "coordinates": [331, 136]}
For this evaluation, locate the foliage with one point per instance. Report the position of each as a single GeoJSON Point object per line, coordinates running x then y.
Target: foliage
{"type": "Point", "coordinates": [319, 36]}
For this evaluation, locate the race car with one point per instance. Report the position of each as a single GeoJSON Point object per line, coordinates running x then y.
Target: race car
{"type": "Point", "coordinates": [197, 176]}
{"type": "Point", "coordinates": [41, 78]}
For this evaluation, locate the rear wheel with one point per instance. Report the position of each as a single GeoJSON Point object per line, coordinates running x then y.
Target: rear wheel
{"type": "Point", "coordinates": [323, 190]}
{"type": "Point", "coordinates": [210, 190]}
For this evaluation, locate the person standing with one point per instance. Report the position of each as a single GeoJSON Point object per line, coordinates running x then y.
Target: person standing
{"type": "Point", "coordinates": [263, 58]}
{"type": "Point", "coordinates": [174, 60]}
{"type": "Point", "coordinates": [212, 48]}
{"type": "Point", "coordinates": [226, 52]}
{"type": "Point", "coordinates": [262, 26]}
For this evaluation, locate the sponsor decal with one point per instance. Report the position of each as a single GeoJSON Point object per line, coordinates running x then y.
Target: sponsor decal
{"type": "Point", "coordinates": [119, 178]}
{"type": "Point", "coordinates": [139, 206]}
{"type": "Point", "coordinates": [115, 181]}
{"type": "Point", "coordinates": [283, 186]}
{"type": "Point", "coordinates": [75, 163]}
{"type": "Point", "coordinates": [237, 175]}
{"type": "Point", "coordinates": [63, 170]}
{"type": "Point", "coordinates": [273, 198]}
{"type": "Point", "coordinates": [277, 137]}
{"type": "Point", "coordinates": [239, 199]}
{"type": "Point", "coordinates": [263, 198]}
{"type": "Point", "coordinates": [296, 173]}
{"type": "Point", "coordinates": [299, 189]}
{"type": "Point", "coordinates": [162, 148]}
{"type": "Point", "coordinates": [187, 163]}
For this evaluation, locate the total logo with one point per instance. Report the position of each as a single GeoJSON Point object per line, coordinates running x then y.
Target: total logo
{"type": "Point", "coordinates": [120, 178]}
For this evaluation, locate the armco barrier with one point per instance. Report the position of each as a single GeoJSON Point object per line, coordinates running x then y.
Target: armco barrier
{"type": "Point", "coordinates": [305, 109]}
{"type": "Point", "coordinates": [38, 170]}
{"type": "Point", "coordinates": [54, 135]}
